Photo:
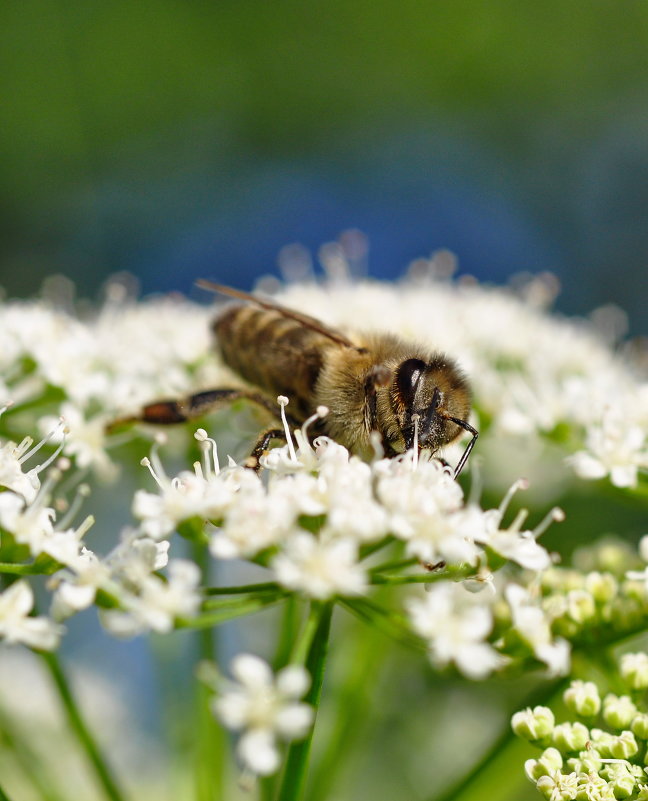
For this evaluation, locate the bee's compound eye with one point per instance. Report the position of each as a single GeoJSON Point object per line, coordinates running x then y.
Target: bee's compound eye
{"type": "Point", "coordinates": [407, 377]}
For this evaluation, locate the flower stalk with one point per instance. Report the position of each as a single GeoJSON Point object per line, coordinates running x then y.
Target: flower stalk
{"type": "Point", "coordinates": [318, 625]}
{"type": "Point", "coordinates": [80, 728]}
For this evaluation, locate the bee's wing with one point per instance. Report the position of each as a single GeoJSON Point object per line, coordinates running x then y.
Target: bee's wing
{"type": "Point", "coordinates": [304, 319]}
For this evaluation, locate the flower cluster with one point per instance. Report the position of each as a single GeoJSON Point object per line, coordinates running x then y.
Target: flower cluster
{"type": "Point", "coordinates": [91, 367]}
{"type": "Point", "coordinates": [137, 597]}
{"type": "Point", "coordinates": [601, 753]}
{"type": "Point", "coordinates": [602, 598]}
{"type": "Point", "coordinates": [311, 517]}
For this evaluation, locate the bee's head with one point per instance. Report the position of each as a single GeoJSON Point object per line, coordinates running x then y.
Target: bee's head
{"type": "Point", "coordinates": [438, 392]}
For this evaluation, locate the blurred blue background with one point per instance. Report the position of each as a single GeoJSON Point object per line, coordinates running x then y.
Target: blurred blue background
{"type": "Point", "coordinates": [185, 139]}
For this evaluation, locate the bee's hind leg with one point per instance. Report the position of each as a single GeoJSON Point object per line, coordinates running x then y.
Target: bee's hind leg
{"type": "Point", "coordinates": [169, 412]}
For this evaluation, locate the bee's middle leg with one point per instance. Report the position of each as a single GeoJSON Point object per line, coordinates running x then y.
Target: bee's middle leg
{"type": "Point", "coordinates": [262, 444]}
{"type": "Point", "coordinates": [169, 412]}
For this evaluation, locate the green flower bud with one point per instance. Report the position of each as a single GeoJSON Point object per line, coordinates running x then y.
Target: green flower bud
{"type": "Point", "coordinates": [551, 580]}
{"type": "Point", "coordinates": [550, 761]}
{"type": "Point", "coordinates": [590, 761]}
{"type": "Point", "coordinates": [624, 746]}
{"type": "Point", "coordinates": [642, 795]}
{"type": "Point", "coordinates": [582, 698]}
{"type": "Point", "coordinates": [554, 606]}
{"type": "Point", "coordinates": [622, 780]}
{"type": "Point", "coordinates": [602, 741]}
{"type": "Point", "coordinates": [613, 557]}
{"type": "Point", "coordinates": [634, 670]}
{"type": "Point", "coordinates": [634, 590]}
{"type": "Point", "coordinates": [558, 786]}
{"type": "Point", "coordinates": [581, 606]}
{"type": "Point", "coordinates": [639, 726]}
{"type": "Point", "coordinates": [569, 737]}
{"type": "Point", "coordinates": [602, 586]}
{"type": "Point", "coordinates": [533, 724]}
{"type": "Point", "coordinates": [618, 711]}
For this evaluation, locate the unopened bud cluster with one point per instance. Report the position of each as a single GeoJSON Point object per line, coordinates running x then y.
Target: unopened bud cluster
{"type": "Point", "coordinates": [603, 752]}
{"type": "Point", "coordinates": [607, 597]}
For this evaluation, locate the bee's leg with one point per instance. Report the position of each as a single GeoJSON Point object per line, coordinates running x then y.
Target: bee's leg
{"type": "Point", "coordinates": [253, 460]}
{"type": "Point", "coordinates": [466, 427]}
{"type": "Point", "coordinates": [168, 412]}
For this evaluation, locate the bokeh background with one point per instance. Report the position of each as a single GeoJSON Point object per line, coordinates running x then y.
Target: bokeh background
{"type": "Point", "coordinates": [177, 140]}
{"type": "Point", "coordinates": [183, 139]}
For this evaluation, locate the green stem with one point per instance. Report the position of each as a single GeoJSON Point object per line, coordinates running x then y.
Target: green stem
{"type": "Point", "coordinates": [304, 642]}
{"type": "Point", "coordinates": [423, 578]}
{"type": "Point", "coordinates": [374, 547]}
{"type": "Point", "coordinates": [390, 623]}
{"type": "Point", "coordinates": [267, 586]}
{"type": "Point", "coordinates": [219, 603]}
{"type": "Point", "coordinates": [81, 729]}
{"type": "Point", "coordinates": [221, 615]}
{"type": "Point", "coordinates": [291, 616]}
{"type": "Point", "coordinates": [3, 795]}
{"type": "Point", "coordinates": [393, 565]}
{"type": "Point", "coordinates": [354, 708]}
{"type": "Point", "coordinates": [209, 737]}
{"type": "Point", "coordinates": [28, 570]}
{"type": "Point", "coordinates": [319, 621]}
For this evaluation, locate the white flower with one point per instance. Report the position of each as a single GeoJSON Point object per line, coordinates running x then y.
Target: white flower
{"type": "Point", "coordinates": [86, 439]}
{"type": "Point", "coordinates": [513, 543]}
{"type": "Point", "coordinates": [320, 567]}
{"type": "Point", "coordinates": [263, 708]}
{"type": "Point", "coordinates": [207, 493]}
{"type": "Point", "coordinates": [16, 624]}
{"type": "Point", "coordinates": [256, 520]}
{"type": "Point", "coordinates": [534, 627]}
{"type": "Point", "coordinates": [153, 604]}
{"type": "Point", "coordinates": [614, 447]}
{"type": "Point", "coordinates": [30, 525]}
{"type": "Point", "coordinates": [11, 472]}
{"type": "Point", "coordinates": [424, 506]}
{"type": "Point", "coordinates": [457, 628]}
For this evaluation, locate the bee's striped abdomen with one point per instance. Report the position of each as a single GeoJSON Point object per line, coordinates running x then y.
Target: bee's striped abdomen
{"type": "Point", "coordinates": [275, 353]}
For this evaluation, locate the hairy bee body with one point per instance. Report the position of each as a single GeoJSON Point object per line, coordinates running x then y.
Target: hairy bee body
{"type": "Point", "coordinates": [357, 379]}
{"type": "Point", "coordinates": [276, 354]}
{"type": "Point", "coordinates": [376, 383]}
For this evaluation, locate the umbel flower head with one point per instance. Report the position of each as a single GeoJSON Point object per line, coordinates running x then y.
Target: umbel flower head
{"type": "Point", "coordinates": [317, 513]}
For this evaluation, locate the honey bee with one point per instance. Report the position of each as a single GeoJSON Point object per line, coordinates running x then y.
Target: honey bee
{"type": "Point", "coordinates": [376, 382]}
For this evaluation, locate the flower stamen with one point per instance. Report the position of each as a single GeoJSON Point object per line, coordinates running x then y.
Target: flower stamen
{"type": "Point", "coordinates": [415, 445]}
{"type": "Point", "coordinates": [520, 484]}
{"type": "Point", "coordinates": [282, 400]}
{"type": "Point", "coordinates": [208, 444]}
{"type": "Point", "coordinates": [83, 491]}
{"type": "Point", "coordinates": [26, 443]}
{"type": "Point", "coordinates": [555, 515]}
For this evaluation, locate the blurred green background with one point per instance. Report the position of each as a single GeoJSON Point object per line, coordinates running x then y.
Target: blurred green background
{"type": "Point", "coordinates": [180, 139]}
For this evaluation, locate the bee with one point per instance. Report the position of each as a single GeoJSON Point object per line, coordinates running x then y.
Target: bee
{"type": "Point", "coordinates": [376, 382]}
